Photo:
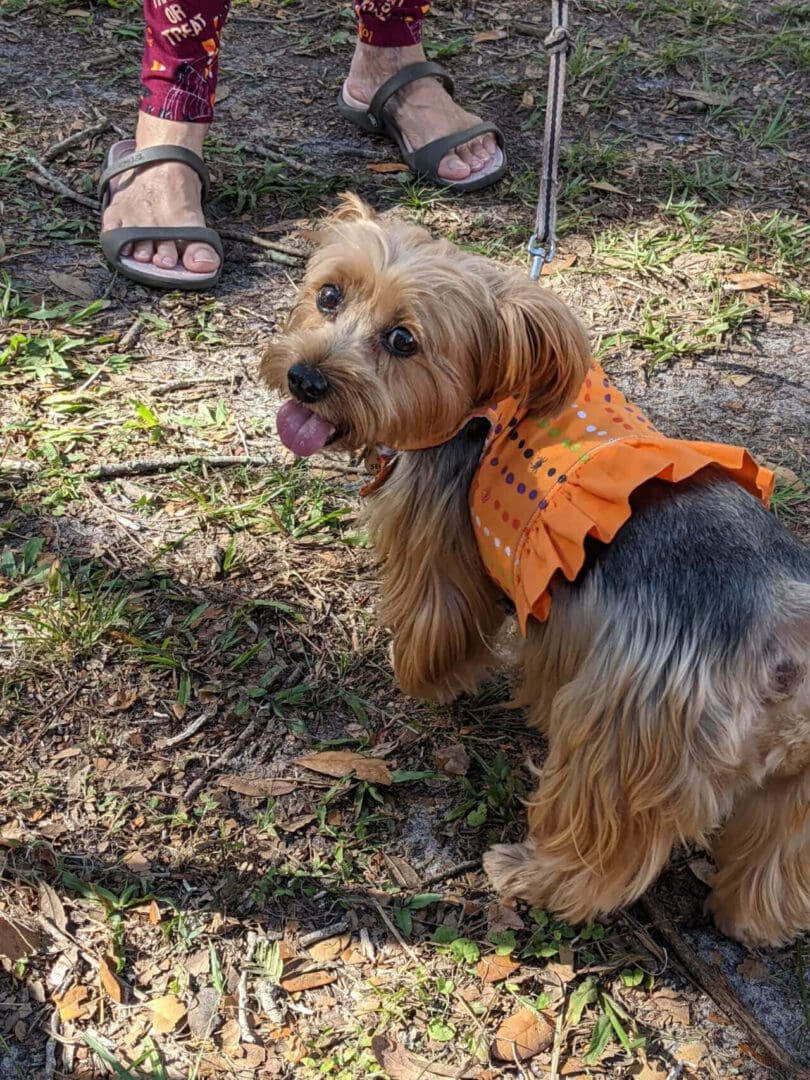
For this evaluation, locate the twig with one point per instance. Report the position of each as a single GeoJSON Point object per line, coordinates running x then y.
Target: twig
{"type": "Point", "coordinates": [245, 736]}
{"type": "Point", "coordinates": [113, 470]}
{"type": "Point", "coordinates": [530, 30]}
{"type": "Point", "coordinates": [278, 253]}
{"type": "Point", "coordinates": [395, 933]}
{"type": "Point", "coordinates": [186, 384]}
{"type": "Point", "coordinates": [454, 871]}
{"type": "Point", "coordinates": [50, 1057]}
{"type": "Point", "coordinates": [130, 337]}
{"type": "Point", "coordinates": [242, 1011]}
{"type": "Point", "coordinates": [325, 932]}
{"type": "Point", "coordinates": [274, 154]}
{"type": "Point", "coordinates": [712, 981]}
{"type": "Point", "coordinates": [14, 465]}
{"type": "Point", "coordinates": [186, 733]}
{"type": "Point", "coordinates": [76, 138]}
{"type": "Point", "coordinates": [45, 178]}
{"type": "Point", "coordinates": [557, 1047]}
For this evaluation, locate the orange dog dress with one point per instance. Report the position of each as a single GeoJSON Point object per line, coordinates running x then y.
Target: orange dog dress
{"type": "Point", "coordinates": [544, 485]}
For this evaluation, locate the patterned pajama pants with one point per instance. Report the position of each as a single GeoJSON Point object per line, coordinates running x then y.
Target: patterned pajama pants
{"type": "Point", "coordinates": [179, 73]}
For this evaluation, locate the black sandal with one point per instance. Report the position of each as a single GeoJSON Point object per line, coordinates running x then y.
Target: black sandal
{"type": "Point", "coordinates": [121, 157]}
{"type": "Point", "coordinates": [425, 161]}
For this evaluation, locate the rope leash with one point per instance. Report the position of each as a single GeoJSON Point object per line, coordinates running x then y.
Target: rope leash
{"type": "Point", "coordinates": [559, 46]}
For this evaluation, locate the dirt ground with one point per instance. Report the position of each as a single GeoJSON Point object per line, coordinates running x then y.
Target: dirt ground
{"type": "Point", "coordinates": [186, 613]}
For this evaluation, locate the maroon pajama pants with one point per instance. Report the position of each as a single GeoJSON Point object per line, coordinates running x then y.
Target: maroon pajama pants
{"type": "Point", "coordinates": [179, 73]}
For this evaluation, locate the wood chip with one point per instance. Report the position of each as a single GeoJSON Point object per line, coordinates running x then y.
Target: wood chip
{"type": "Point", "coordinates": [310, 981]}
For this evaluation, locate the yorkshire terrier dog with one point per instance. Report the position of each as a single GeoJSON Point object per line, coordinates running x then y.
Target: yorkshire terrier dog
{"type": "Point", "coordinates": [666, 613]}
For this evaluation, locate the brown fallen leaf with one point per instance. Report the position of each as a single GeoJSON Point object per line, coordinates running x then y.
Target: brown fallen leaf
{"type": "Point", "coordinates": [604, 185]}
{"type": "Point", "coordinates": [648, 1070]}
{"type": "Point", "coordinates": [488, 35]}
{"type": "Point", "coordinates": [137, 862]}
{"type": "Point", "coordinates": [167, 1012]}
{"type": "Point", "coordinates": [73, 286]}
{"type": "Point", "coordinates": [707, 97]}
{"type": "Point", "coordinates": [121, 700]}
{"type": "Point", "coordinates": [751, 968]}
{"type": "Point", "coordinates": [258, 787]}
{"type": "Point", "coordinates": [402, 872]}
{"type": "Point", "coordinates": [230, 1035]}
{"type": "Point", "coordinates": [748, 279]}
{"type": "Point", "coordinates": [330, 948]}
{"type": "Point", "coordinates": [494, 968]}
{"type": "Point", "coordinates": [788, 477]}
{"type": "Point", "coordinates": [690, 1053]}
{"type": "Point", "coordinates": [738, 379]}
{"type": "Point", "coordinates": [522, 1035]}
{"type": "Point", "coordinates": [17, 939]}
{"type": "Point", "coordinates": [557, 264]}
{"type": "Point", "coordinates": [502, 917]}
{"type": "Point", "coordinates": [401, 1064]}
{"type": "Point", "coordinates": [109, 980]}
{"type": "Point", "coordinates": [387, 167]}
{"type": "Point", "coordinates": [71, 1004]}
{"type": "Point", "coordinates": [340, 763]}
{"type": "Point", "coordinates": [51, 906]}
{"type": "Point", "coordinates": [312, 980]}
{"type": "Point", "coordinates": [203, 1014]}
{"type": "Point", "coordinates": [453, 760]}
{"type": "Point", "coordinates": [783, 317]}
{"type": "Point", "coordinates": [154, 913]}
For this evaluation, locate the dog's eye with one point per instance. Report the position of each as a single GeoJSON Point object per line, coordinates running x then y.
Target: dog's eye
{"type": "Point", "coordinates": [329, 298]}
{"type": "Point", "coordinates": [400, 341]}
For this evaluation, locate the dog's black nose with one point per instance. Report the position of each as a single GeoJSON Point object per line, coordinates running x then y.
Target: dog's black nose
{"type": "Point", "coordinates": [307, 383]}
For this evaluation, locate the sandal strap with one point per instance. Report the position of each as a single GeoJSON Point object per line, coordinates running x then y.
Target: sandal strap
{"type": "Point", "coordinates": [113, 240]}
{"type": "Point", "coordinates": [149, 156]}
{"type": "Point", "coordinates": [410, 73]}
{"type": "Point", "coordinates": [427, 158]}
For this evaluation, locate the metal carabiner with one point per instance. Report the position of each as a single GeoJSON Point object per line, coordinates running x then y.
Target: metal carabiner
{"type": "Point", "coordinates": [540, 254]}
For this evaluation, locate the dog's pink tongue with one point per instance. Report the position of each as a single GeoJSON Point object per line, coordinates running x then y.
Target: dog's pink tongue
{"type": "Point", "coordinates": [301, 430]}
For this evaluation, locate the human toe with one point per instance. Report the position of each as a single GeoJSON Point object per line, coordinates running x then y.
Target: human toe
{"type": "Point", "coordinates": [200, 258]}
{"type": "Point", "coordinates": [452, 167]}
{"type": "Point", "coordinates": [165, 255]}
{"type": "Point", "coordinates": [469, 157]}
{"type": "Point", "coordinates": [143, 251]}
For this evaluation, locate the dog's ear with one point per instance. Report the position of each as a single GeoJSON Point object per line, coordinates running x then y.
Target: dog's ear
{"type": "Point", "coordinates": [542, 349]}
{"type": "Point", "coordinates": [351, 207]}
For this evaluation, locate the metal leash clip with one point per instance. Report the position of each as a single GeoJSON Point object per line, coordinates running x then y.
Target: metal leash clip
{"type": "Point", "coordinates": [540, 254]}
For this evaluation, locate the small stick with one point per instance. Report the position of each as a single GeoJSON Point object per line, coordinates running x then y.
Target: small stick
{"type": "Point", "coordinates": [113, 470]}
{"type": "Point", "coordinates": [130, 337]}
{"type": "Point", "coordinates": [530, 30]}
{"type": "Point", "coordinates": [713, 983]}
{"type": "Point", "coordinates": [186, 384]}
{"type": "Point", "coordinates": [223, 759]}
{"type": "Point", "coordinates": [46, 179]}
{"type": "Point", "coordinates": [242, 1012]}
{"type": "Point", "coordinates": [278, 253]}
{"type": "Point", "coordinates": [77, 137]}
{"type": "Point", "coordinates": [324, 933]}
{"type": "Point", "coordinates": [277, 155]}
{"type": "Point", "coordinates": [454, 871]}
{"type": "Point", "coordinates": [186, 733]}
{"type": "Point", "coordinates": [395, 933]}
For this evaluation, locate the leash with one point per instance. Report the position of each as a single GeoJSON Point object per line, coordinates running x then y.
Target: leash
{"type": "Point", "coordinates": [559, 45]}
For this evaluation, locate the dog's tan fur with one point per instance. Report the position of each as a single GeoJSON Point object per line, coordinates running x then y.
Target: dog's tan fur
{"type": "Point", "coordinates": [650, 742]}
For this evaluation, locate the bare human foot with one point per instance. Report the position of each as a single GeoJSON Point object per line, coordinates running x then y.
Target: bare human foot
{"type": "Point", "coordinates": [167, 193]}
{"type": "Point", "coordinates": [424, 110]}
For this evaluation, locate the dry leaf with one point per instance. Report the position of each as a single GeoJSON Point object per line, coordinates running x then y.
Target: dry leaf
{"type": "Point", "coordinates": [222, 92]}
{"type": "Point", "coordinates": [330, 948]}
{"type": "Point", "coordinates": [137, 862]}
{"type": "Point", "coordinates": [488, 35]}
{"type": "Point", "coordinates": [402, 872]}
{"type": "Point", "coordinates": [387, 167]}
{"type": "Point", "coordinates": [154, 913]}
{"type": "Point", "coordinates": [203, 1014]}
{"type": "Point", "coordinates": [648, 1070]}
{"type": "Point", "coordinates": [603, 185]}
{"type": "Point", "coordinates": [453, 760]}
{"type": "Point", "coordinates": [71, 1003]}
{"type": "Point", "coordinates": [167, 1012]}
{"type": "Point", "coordinates": [400, 1064]}
{"type": "Point", "coordinates": [707, 97]}
{"type": "Point", "coordinates": [198, 963]}
{"type": "Point", "coordinates": [739, 380]}
{"type": "Point", "coordinates": [257, 787]}
{"type": "Point", "coordinates": [310, 981]}
{"type": "Point", "coordinates": [784, 317]}
{"type": "Point", "coordinates": [109, 980]}
{"type": "Point", "coordinates": [751, 968]}
{"type": "Point", "coordinates": [17, 940]}
{"type": "Point", "coordinates": [788, 477]}
{"type": "Point", "coordinates": [340, 763]}
{"type": "Point", "coordinates": [73, 286]}
{"type": "Point", "coordinates": [121, 700]}
{"type": "Point", "coordinates": [51, 906]}
{"type": "Point", "coordinates": [748, 279]}
{"type": "Point", "coordinates": [502, 917]}
{"type": "Point", "coordinates": [527, 101]}
{"type": "Point", "coordinates": [522, 1035]}
{"type": "Point", "coordinates": [558, 263]}
{"type": "Point", "coordinates": [493, 969]}
{"type": "Point", "coordinates": [690, 1053]}
{"type": "Point", "coordinates": [251, 1055]}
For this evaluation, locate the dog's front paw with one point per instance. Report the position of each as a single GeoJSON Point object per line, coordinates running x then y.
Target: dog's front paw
{"type": "Point", "coordinates": [510, 868]}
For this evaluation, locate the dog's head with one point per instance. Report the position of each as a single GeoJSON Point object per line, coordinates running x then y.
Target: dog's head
{"type": "Point", "coordinates": [397, 338]}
